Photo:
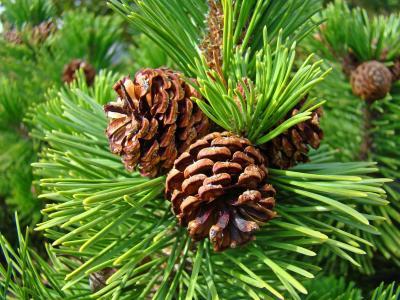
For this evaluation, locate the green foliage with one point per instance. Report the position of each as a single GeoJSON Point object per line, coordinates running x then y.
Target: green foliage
{"type": "Point", "coordinates": [346, 136]}
{"type": "Point", "coordinates": [356, 129]}
{"type": "Point", "coordinates": [94, 38]}
{"type": "Point", "coordinates": [331, 288]}
{"type": "Point", "coordinates": [26, 275]}
{"type": "Point", "coordinates": [178, 27]}
{"type": "Point", "coordinates": [374, 6]}
{"type": "Point", "coordinates": [344, 128]}
{"type": "Point", "coordinates": [91, 5]}
{"type": "Point", "coordinates": [16, 152]}
{"type": "Point", "coordinates": [147, 59]}
{"type": "Point", "coordinates": [387, 292]}
{"type": "Point", "coordinates": [22, 12]}
{"type": "Point", "coordinates": [98, 212]}
{"type": "Point", "coordinates": [265, 102]}
{"type": "Point", "coordinates": [367, 37]}
{"type": "Point", "coordinates": [28, 70]}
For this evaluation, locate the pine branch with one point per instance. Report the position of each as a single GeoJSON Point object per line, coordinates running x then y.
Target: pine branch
{"type": "Point", "coordinates": [29, 69]}
{"type": "Point", "coordinates": [26, 275]}
{"type": "Point", "coordinates": [365, 130]}
{"type": "Point", "coordinates": [178, 28]}
{"type": "Point", "coordinates": [20, 12]}
{"type": "Point", "coordinates": [258, 95]}
{"type": "Point", "coordinates": [388, 292]}
{"type": "Point", "coordinates": [329, 287]}
{"type": "Point", "coordinates": [101, 218]}
{"type": "Point", "coordinates": [106, 217]}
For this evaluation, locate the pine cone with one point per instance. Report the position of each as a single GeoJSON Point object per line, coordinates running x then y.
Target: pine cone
{"type": "Point", "coordinates": [218, 189]}
{"type": "Point", "coordinates": [13, 36]}
{"type": "Point", "coordinates": [97, 280]}
{"type": "Point", "coordinates": [154, 120]}
{"type": "Point", "coordinates": [291, 147]}
{"type": "Point", "coordinates": [371, 80]}
{"type": "Point", "coordinates": [70, 70]}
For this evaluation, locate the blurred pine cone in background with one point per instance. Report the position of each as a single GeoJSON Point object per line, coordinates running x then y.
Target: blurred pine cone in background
{"type": "Point", "coordinates": [71, 69]}
{"type": "Point", "coordinates": [371, 80]}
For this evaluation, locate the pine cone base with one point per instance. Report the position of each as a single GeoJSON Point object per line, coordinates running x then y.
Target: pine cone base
{"type": "Point", "coordinates": [218, 189]}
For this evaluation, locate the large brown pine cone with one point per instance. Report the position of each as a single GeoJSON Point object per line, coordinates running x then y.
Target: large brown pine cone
{"type": "Point", "coordinates": [291, 147]}
{"type": "Point", "coordinates": [154, 120]}
{"type": "Point", "coordinates": [218, 189]}
{"type": "Point", "coordinates": [71, 69]}
{"type": "Point", "coordinates": [371, 80]}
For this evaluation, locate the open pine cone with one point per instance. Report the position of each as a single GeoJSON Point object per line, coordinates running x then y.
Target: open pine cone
{"type": "Point", "coordinates": [371, 80]}
{"type": "Point", "coordinates": [218, 189]}
{"type": "Point", "coordinates": [291, 147]}
{"type": "Point", "coordinates": [71, 69]}
{"type": "Point", "coordinates": [154, 120]}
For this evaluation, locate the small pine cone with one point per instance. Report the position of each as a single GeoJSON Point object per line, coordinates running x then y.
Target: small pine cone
{"type": "Point", "coordinates": [42, 31]}
{"type": "Point", "coordinates": [71, 69]}
{"type": "Point", "coordinates": [154, 120]}
{"type": "Point", "coordinates": [13, 36]}
{"type": "Point", "coordinates": [218, 189]}
{"type": "Point", "coordinates": [291, 147]}
{"type": "Point", "coordinates": [97, 280]}
{"type": "Point", "coordinates": [371, 81]}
